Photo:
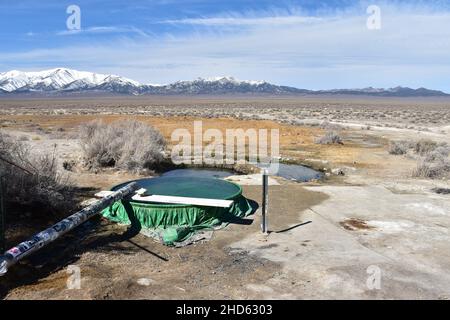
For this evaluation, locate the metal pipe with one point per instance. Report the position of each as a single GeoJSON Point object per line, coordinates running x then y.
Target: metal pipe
{"type": "Point", "coordinates": [265, 201]}
{"type": "Point", "coordinates": [24, 249]}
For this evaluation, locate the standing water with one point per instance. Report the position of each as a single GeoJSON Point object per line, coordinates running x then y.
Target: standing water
{"type": "Point", "coordinates": [297, 173]}
{"type": "Point", "coordinates": [293, 172]}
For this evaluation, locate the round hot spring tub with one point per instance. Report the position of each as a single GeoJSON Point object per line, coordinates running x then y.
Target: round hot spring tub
{"type": "Point", "coordinates": [176, 223]}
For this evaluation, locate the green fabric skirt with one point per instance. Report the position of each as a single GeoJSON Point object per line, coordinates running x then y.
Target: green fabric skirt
{"type": "Point", "coordinates": [176, 223]}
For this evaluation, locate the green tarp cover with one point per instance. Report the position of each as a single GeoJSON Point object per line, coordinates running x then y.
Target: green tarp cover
{"type": "Point", "coordinates": [176, 223]}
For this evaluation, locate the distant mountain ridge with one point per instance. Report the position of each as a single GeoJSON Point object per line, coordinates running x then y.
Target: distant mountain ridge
{"type": "Point", "coordinates": [66, 81]}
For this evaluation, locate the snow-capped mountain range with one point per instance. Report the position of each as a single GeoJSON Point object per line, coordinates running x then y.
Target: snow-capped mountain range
{"type": "Point", "coordinates": [67, 81]}
{"type": "Point", "coordinates": [61, 79]}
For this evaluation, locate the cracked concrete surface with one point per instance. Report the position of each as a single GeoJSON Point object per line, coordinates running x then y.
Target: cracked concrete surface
{"type": "Point", "coordinates": [409, 243]}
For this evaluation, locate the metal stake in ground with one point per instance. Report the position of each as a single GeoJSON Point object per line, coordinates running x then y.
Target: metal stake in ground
{"type": "Point", "coordinates": [265, 201]}
{"type": "Point", "coordinates": [2, 218]}
{"type": "Point", "coordinates": [24, 249]}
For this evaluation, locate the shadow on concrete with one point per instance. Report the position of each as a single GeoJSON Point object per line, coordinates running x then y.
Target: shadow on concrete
{"type": "Point", "coordinates": [293, 227]}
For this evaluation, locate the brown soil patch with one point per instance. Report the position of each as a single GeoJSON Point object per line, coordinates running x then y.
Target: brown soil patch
{"type": "Point", "coordinates": [111, 264]}
{"type": "Point", "coordinates": [296, 142]}
{"type": "Point", "coordinates": [354, 224]}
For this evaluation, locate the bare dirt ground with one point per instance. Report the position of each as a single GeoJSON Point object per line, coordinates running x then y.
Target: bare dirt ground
{"type": "Point", "coordinates": [326, 237]}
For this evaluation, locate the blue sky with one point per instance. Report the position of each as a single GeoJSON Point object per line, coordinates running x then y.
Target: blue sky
{"type": "Point", "coordinates": [309, 44]}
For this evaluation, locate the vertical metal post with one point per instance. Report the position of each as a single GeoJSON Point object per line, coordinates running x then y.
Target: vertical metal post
{"type": "Point", "coordinates": [2, 218]}
{"type": "Point", "coordinates": [265, 201]}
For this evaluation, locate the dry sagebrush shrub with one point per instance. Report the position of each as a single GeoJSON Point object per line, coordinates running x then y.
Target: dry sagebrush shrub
{"type": "Point", "coordinates": [434, 170]}
{"type": "Point", "coordinates": [398, 147]}
{"type": "Point", "coordinates": [33, 180]}
{"type": "Point", "coordinates": [130, 145]}
{"type": "Point", "coordinates": [439, 154]}
{"type": "Point", "coordinates": [330, 137]}
{"type": "Point", "coordinates": [425, 146]}
{"type": "Point", "coordinates": [434, 163]}
{"type": "Point", "coordinates": [330, 126]}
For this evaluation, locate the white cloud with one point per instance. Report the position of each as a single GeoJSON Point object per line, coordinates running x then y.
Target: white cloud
{"type": "Point", "coordinates": [102, 29]}
{"type": "Point", "coordinates": [244, 21]}
{"type": "Point", "coordinates": [411, 49]}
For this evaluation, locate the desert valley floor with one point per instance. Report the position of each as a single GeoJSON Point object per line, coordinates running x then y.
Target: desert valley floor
{"type": "Point", "coordinates": [369, 211]}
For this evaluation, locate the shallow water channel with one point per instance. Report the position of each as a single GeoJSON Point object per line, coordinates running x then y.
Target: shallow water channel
{"type": "Point", "coordinates": [291, 172]}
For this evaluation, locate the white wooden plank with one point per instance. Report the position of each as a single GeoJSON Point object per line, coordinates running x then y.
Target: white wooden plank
{"type": "Point", "coordinates": [185, 200]}
{"type": "Point", "coordinates": [173, 199]}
